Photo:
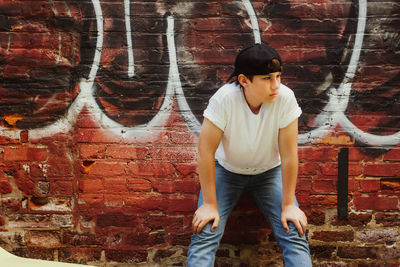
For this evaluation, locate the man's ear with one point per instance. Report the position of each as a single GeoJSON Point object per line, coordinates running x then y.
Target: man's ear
{"type": "Point", "coordinates": [242, 79]}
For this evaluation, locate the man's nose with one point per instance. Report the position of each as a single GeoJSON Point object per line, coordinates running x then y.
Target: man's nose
{"type": "Point", "coordinates": [275, 84]}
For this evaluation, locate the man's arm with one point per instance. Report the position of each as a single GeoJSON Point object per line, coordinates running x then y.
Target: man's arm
{"type": "Point", "coordinates": [210, 137]}
{"type": "Point", "coordinates": [288, 152]}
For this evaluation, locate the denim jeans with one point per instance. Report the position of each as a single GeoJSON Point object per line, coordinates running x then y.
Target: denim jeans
{"type": "Point", "coordinates": [266, 190]}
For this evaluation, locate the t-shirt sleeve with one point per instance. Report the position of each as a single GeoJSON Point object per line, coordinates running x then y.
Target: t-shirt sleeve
{"type": "Point", "coordinates": [290, 111]}
{"type": "Point", "coordinates": [216, 113]}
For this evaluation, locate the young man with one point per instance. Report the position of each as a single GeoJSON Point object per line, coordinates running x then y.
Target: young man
{"type": "Point", "coordinates": [248, 142]}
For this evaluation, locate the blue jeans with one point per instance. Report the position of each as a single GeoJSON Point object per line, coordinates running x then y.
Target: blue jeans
{"type": "Point", "coordinates": [266, 189]}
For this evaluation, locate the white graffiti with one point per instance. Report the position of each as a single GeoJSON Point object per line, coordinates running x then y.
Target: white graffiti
{"type": "Point", "coordinates": [333, 113]}
{"type": "Point", "coordinates": [131, 66]}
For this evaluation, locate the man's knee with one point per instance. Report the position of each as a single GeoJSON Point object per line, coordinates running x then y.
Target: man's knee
{"type": "Point", "coordinates": [207, 234]}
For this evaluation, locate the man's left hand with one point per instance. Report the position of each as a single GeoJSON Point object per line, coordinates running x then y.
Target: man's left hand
{"type": "Point", "coordinates": [296, 215]}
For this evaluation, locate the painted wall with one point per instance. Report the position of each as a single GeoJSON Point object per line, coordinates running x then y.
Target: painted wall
{"type": "Point", "coordinates": [101, 104]}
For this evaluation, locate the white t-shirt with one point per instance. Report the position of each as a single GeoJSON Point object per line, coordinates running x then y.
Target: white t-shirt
{"type": "Point", "coordinates": [249, 144]}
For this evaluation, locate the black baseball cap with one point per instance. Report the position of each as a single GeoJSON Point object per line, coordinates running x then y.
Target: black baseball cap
{"type": "Point", "coordinates": [256, 60]}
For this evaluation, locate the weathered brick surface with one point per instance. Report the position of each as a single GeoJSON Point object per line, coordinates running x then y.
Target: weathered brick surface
{"type": "Point", "coordinates": [95, 169]}
{"type": "Point", "coordinates": [378, 236]}
{"type": "Point", "coordinates": [388, 219]}
{"type": "Point", "coordinates": [391, 253]}
{"type": "Point", "coordinates": [358, 252]}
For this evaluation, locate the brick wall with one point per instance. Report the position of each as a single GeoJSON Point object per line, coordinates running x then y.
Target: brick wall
{"type": "Point", "coordinates": [101, 105]}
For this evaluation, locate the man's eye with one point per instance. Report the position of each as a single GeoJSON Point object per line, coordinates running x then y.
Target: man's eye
{"type": "Point", "coordinates": [267, 78]}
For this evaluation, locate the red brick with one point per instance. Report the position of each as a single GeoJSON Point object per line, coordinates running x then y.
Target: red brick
{"type": "Point", "coordinates": [16, 153]}
{"type": "Point", "coordinates": [329, 168]}
{"type": "Point", "coordinates": [356, 155]}
{"type": "Point", "coordinates": [61, 188]}
{"type": "Point", "coordinates": [323, 153]}
{"type": "Point", "coordinates": [91, 199]}
{"type": "Point", "coordinates": [303, 184]}
{"type": "Point", "coordinates": [79, 255]}
{"type": "Point", "coordinates": [153, 201]}
{"type": "Point", "coordinates": [353, 252]}
{"type": "Point", "coordinates": [35, 253]}
{"type": "Point", "coordinates": [355, 220]}
{"type": "Point", "coordinates": [186, 203]}
{"type": "Point", "coordinates": [355, 169]}
{"type": "Point", "coordinates": [391, 253]}
{"type": "Point", "coordinates": [117, 219]}
{"type": "Point", "coordinates": [309, 168]}
{"type": "Point", "coordinates": [37, 154]}
{"type": "Point", "coordinates": [92, 151]}
{"type": "Point", "coordinates": [304, 198]}
{"type": "Point", "coordinates": [369, 185]}
{"type": "Point", "coordinates": [96, 136]}
{"type": "Point", "coordinates": [164, 186]}
{"type": "Point", "coordinates": [5, 187]}
{"type": "Point", "coordinates": [79, 239]}
{"type": "Point", "coordinates": [139, 185]}
{"type": "Point", "coordinates": [115, 185]}
{"type": "Point", "coordinates": [37, 170]}
{"type": "Point", "coordinates": [324, 186]}
{"type": "Point", "coordinates": [129, 256]}
{"type": "Point", "coordinates": [182, 137]}
{"type": "Point", "coordinates": [107, 169]}
{"type": "Point", "coordinates": [388, 219]}
{"type": "Point", "coordinates": [187, 186]}
{"type": "Point", "coordinates": [138, 239]}
{"type": "Point", "coordinates": [387, 170]}
{"type": "Point", "coordinates": [173, 224]}
{"type": "Point", "coordinates": [392, 184]}
{"type": "Point", "coordinates": [393, 155]}
{"type": "Point", "coordinates": [182, 239]}
{"type": "Point", "coordinates": [114, 200]}
{"type": "Point", "coordinates": [375, 203]}
{"type": "Point", "coordinates": [352, 186]}
{"type": "Point", "coordinates": [186, 169]}
{"type": "Point", "coordinates": [59, 170]}
{"type": "Point", "coordinates": [24, 182]}
{"type": "Point", "coordinates": [46, 239]}
{"type": "Point", "coordinates": [91, 185]}
{"type": "Point", "coordinates": [324, 252]}
{"type": "Point", "coordinates": [148, 168]}
{"type": "Point", "coordinates": [176, 154]}
{"type": "Point", "coordinates": [121, 152]}
{"type": "Point", "coordinates": [325, 200]}
{"type": "Point", "coordinates": [314, 217]}
{"type": "Point", "coordinates": [333, 236]}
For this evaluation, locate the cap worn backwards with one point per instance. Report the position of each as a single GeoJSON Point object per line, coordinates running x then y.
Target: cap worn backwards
{"type": "Point", "coordinates": [256, 60]}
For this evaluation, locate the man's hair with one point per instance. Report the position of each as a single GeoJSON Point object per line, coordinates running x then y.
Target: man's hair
{"type": "Point", "coordinates": [273, 66]}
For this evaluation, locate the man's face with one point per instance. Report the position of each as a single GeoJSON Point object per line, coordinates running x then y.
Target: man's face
{"type": "Point", "coordinates": [264, 88]}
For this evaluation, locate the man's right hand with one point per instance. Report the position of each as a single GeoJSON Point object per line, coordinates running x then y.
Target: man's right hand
{"type": "Point", "coordinates": [204, 214]}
